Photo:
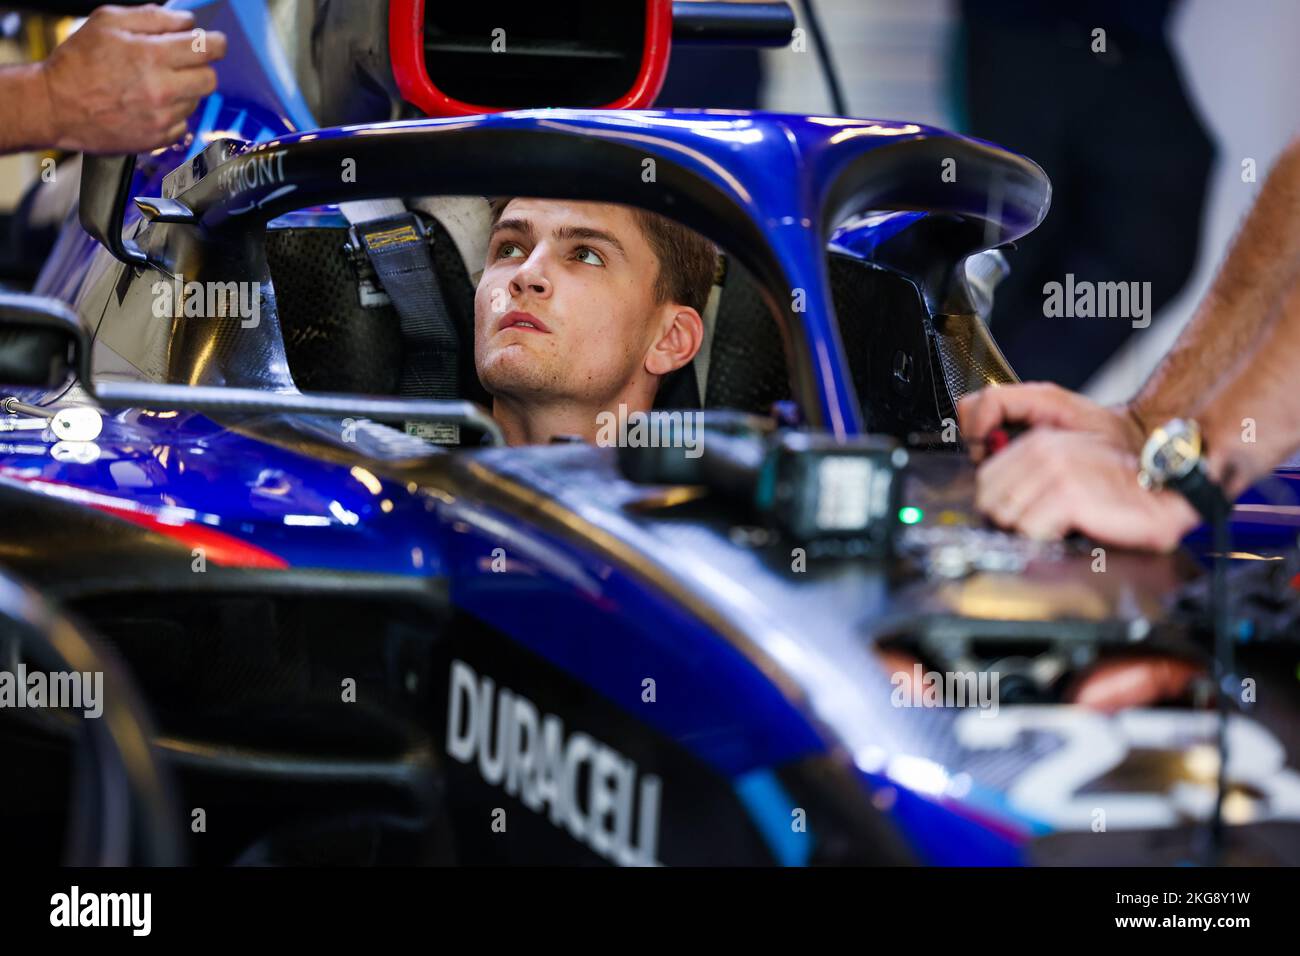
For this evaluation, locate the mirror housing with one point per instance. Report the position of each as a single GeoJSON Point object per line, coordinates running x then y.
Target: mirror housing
{"type": "Point", "coordinates": [42, 342]}
{"type": "Point", "coordinates": [105, 191]}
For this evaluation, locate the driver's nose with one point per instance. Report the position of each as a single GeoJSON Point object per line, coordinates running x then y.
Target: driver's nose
{"type": "Point", "coordinates": [530, 278]}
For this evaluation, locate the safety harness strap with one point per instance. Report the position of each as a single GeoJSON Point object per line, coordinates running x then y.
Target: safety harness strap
{"type": "Point", "coordinates": [398, 249]}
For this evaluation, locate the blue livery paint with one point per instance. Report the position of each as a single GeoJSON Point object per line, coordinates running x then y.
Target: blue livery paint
{"type": "Point", "coordinates": [559, 600]}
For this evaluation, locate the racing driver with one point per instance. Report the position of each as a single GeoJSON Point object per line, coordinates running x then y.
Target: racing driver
{"type": "Point", "coordinates": [582, 309]}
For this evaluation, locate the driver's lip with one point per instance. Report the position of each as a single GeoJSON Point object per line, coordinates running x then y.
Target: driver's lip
{"type": "Point", "coordinates": [510, 320]}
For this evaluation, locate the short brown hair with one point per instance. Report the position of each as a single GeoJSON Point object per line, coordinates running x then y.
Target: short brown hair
{"type": "Point", "coordinates": [688, 262]}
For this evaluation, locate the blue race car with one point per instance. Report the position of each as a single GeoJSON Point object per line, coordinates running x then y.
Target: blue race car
{"type": "Point", "coordinates": [340, 621]}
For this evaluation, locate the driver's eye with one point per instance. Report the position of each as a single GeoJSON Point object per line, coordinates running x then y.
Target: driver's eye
{"type": "Point", "coordinates": [509, 250]}
{"type": "Point", "coordinates": [590, 256]}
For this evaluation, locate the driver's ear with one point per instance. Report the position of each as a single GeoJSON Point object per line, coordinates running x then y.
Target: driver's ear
{"type": "Point", "coordinates": [680, 340]}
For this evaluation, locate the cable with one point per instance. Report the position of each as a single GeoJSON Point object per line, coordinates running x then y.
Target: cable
{"type": "Point", "coordinates": [1224, 665]}
{"type": "Point", "coordinates": [824, 60]}
{"type": "Point", "coordinates": [90, 347]}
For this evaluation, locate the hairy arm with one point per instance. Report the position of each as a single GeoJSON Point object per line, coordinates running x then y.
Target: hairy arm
{"type": "Point", "coordinates": [24, 109]}
{"type": "Point", "coordinates": [1237, 316]}
{"type": "Point", "coordinates": [1231, 348]}
{"type": "Point", "coordinates": [1253, 422]}
{"type": "Point", "coordinates": [124, 82]}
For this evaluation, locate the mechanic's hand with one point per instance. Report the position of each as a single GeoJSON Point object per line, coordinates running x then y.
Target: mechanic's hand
{"type": "Point", "coordinates": [1134, 682]}
{"type": "Point", "coordinates": [1048, 483]}
{"type": "Point", "coordinates": [127, 80]}
{"type": "Point", "coordinates": [1043, 403]}
{"type": "Point", "coordinates": [1109, 686]}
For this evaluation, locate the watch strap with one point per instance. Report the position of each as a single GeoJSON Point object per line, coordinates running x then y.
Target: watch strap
{"type": "Point", "coordinates": [1202, 493]}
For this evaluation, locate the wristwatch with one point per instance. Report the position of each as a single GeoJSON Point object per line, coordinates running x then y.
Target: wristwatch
{"type": "Point", "coordinates": [1174, 457]}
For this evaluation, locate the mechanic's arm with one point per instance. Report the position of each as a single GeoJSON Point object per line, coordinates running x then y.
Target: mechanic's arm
{"type": "Point", "coordinates": [123, 83]}
{"type": "Point", "coordinates": [1052, 481]}
{"type": "Point", "coordinates": [1223, 336]}
{"type": "Point", "coordinates": [1231, 325]}
{"type": "Point", "coordinates": [1252, 423]}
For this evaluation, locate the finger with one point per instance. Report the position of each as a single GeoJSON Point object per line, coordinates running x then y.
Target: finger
{"type": "Point", "coordinates": [979, 417]}
{"type": "Point", "coordinates": [191, 85]}
{"type": "Point", "coordinates": [1009, 480]}
{"type": "Point", "coordinates": [149, 19]}
{"type": "Point", "coordinates": [178, 112]}
{"type": "Point", "coordinates": [177, 50]}
{"type": "Point", "coordinates": [1115, 685]}
{"type": "Point", "coordinates": [993, 481]}
{"type": "Point", "coordinates": [1007, 509]}
{"type": "Point", "coordinates": [967, 414]}
{"type": "Point", "coordinates": [975, 411]}
{"type": "Point", "coordinates": [1008, 504]}
{"type": "Point", "coordinates": [216, 45]}
{"type": "Point", "coordinates": [173, 134]}
{"type": "Point", "coordinates": [1048, 516]}
{"type": "Point", "coordinates": [151, 139]}
{"type": "Point", "coordinates": [966, 409]}
{"type": "Point", "coordinates": [1032, 403]}
{"type": "Point", "coordinates": [986, 413]}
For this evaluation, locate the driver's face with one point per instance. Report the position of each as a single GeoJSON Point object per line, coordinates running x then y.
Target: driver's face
{"type": "Point", "coordinates": [583, 275]}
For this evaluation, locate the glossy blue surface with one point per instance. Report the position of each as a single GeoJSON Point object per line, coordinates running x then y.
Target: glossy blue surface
{"type": "Point", "coordinates": [561, 601]}
{"type": "Point", "coordinates": [183, 469]}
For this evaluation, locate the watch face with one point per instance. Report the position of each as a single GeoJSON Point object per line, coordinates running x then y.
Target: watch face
{"type": "Point", "coordinates": [1173, 451]}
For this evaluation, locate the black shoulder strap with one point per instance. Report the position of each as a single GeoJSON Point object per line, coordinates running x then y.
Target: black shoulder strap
{"type": "Point", "coordinates": [398, 250]}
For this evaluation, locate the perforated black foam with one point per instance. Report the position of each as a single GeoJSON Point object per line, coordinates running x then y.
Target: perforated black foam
{"type": "Point", "coordinates": [747, 365]}
{"type": "Point", "coordinates": [332, 342]}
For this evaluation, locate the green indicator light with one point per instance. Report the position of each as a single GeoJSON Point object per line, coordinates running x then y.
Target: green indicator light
{"type": "Point", "coordinates": [910, 515]}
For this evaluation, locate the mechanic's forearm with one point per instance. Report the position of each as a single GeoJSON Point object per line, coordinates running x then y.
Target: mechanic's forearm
{"type": "Point", "coordinates": [25, 121]}
{"type": "Point", "coordinates": [1253, 423]}
{"type": "Point", "coordinates": [1232, 321]}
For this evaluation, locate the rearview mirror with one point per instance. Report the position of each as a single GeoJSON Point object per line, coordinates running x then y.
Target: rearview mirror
{"type": "Point", "coordinates": [105, 191]}
{"type": "Point", "coordinates": [42, 342]}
